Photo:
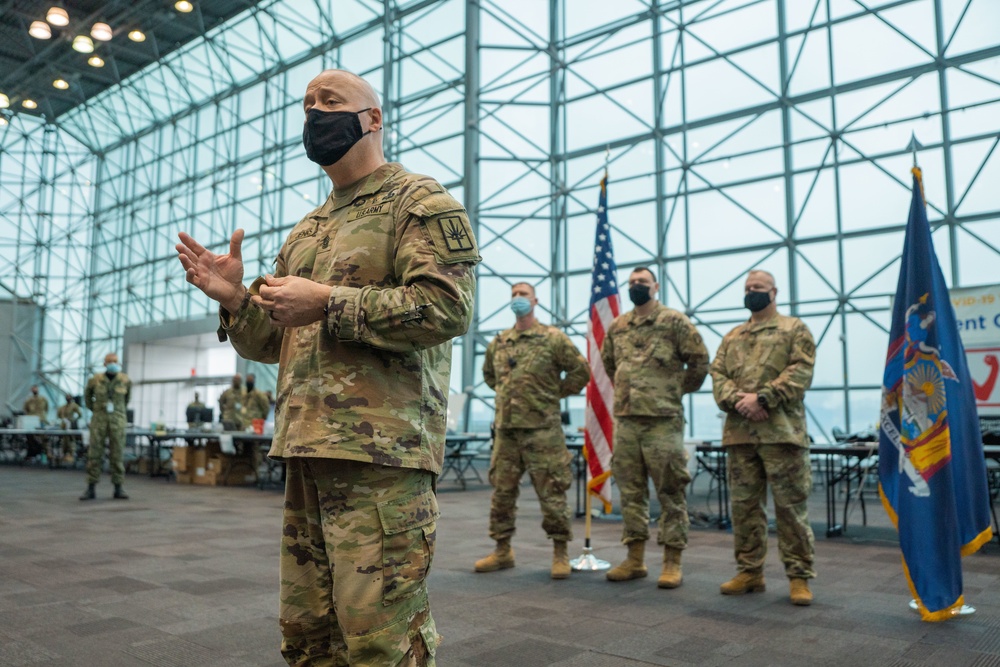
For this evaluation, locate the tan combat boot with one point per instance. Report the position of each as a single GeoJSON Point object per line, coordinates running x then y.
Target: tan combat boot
{"type": "Point", "coordinates": [671, 575]}
{"type": "Point", "coordinates": [633, 567]}
{"type": "Point", "coordinates": [501, 558]}
{"type": "Point", "coordinates": [560, 560]}
{"type": "Point", "coordinates": [800, 595]}
{"type": "Point", "coordinates": [744, 582]}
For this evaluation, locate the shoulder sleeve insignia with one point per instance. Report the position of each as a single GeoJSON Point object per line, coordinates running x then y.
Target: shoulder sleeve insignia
{"type": "Point", "coordinates": [456, 232]}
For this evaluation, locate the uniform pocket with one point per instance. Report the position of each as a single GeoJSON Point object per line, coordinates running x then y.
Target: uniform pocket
{"type": "Point", "coordinates": [409, 527]}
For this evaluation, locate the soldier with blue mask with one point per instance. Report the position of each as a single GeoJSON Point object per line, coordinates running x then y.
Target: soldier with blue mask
{"type": "Point", "coordinates": [759, 378]}
{"type": "Point", "coordinates": [106, 396]}
{"type": "Point", "coordinates": [531, 367]}
{"type": "Point", "coordinates": [368, 291]}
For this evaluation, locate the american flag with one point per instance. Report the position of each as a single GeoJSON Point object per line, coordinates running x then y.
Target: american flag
{"type": "Point", "coordinates": [604, 308]}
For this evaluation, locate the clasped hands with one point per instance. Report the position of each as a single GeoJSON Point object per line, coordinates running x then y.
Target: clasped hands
{"type": "Point", "coordinates": [748, 406]}
{"type": "Point", "coordinates": [289, 301]}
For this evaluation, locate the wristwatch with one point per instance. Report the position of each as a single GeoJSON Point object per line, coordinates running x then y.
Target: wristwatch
{"type": "Point", "coordinates": [762, 400]}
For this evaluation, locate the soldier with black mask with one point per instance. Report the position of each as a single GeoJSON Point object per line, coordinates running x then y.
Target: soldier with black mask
{"type": "Point", "coordinates": [654, 356]}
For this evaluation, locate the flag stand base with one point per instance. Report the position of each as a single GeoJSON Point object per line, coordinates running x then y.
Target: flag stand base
{"type": "Point", "coordinates": [964, 610]}
{"type": "Point", "coordinates": [589, 562]}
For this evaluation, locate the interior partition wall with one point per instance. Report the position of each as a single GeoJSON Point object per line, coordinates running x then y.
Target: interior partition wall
{"type": "Point", "coordinates": [736, 134]}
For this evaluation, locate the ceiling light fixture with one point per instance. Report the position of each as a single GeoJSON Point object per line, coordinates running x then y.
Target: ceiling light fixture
{"type": "Point", "coordinates": [40, 30]}
{"type": "Point", "coordinates": [95, 61]}
{"type": "Point", "coordinates": [83, 44]}
{"type": "Point", "coordinates": [101, 32]}
{"type": "Point", "coordinates": [137, 36]}
{"type": "Point", "coordinates": [29, 104]}
{"type": "Point", "coordinates": [4, 101]}
{"type": "Point", "coordinates": [57, 16]}
{"type": "Point", "coordinates": [61, 84]}
{"type": "Point", "coordinates": [183, 6]}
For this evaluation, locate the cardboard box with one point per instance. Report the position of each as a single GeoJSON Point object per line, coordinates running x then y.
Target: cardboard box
{"type": "Point", "coordinates": [180, 459]}
{"type": "Point", "coordinates": [183, 477]}
{"type": "Point", "coordinates": [199, 457]}
{"type": "Point", "coordinates": [206, 478]}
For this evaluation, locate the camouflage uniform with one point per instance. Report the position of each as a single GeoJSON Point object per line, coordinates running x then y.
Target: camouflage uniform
{"type": "Point", "coordinates": [368, 384]}
{"type": "Point", "coordinates": [37, 406]}
{"type": "Point", "coordinates": [231, 405]}
{"type": "Point", "coordinates": [653, 361]}
{"type": "Point", "coordinates": [106, 399]}
{"type": "Point", "coordinates": [256, 406]}
{"type": "Point", "coordinates": [68, 414]}
{"type": "Point", "coordinates": [775, 360]}
{"type": "Point", "coordinates": [525, 368]}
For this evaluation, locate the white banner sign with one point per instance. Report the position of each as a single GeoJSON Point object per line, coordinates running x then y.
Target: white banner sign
{"type": "Point", "coordinates": [977, 311]}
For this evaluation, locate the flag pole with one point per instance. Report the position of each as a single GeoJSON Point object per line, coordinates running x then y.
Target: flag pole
{"type": "Point", "coordinates": [587, 561]}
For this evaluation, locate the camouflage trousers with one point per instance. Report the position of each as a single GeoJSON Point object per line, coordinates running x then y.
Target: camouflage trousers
{"type": "Point", "coordinates": [111, 431]}
{"type": "Point", "coordinates": [787, 469]}
{"type": "Point", "coordinates": [652, 447]}
{"type": "Point", "coordinates": [357, 545]}
{"type": "Point", "coordinates": [542, 452]}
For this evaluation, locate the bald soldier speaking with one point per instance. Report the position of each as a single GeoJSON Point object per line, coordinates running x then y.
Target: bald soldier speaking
{"type": "Point", "coordinates": [368, 291]}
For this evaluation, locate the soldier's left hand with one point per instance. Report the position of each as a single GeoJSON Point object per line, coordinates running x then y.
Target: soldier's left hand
{"type": "Point", "coordinates": [750, 408]}
{"type": "Point", "coordinates": [291, 301]}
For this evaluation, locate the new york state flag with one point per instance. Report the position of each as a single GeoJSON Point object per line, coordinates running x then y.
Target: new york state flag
{"type": "Point", "coordinates": [932, 474]}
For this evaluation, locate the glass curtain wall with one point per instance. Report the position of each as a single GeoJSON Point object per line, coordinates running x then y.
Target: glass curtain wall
{"type": "Point", "coordinates": [46, 202]}
{"type": "Point", "coordinates": [736, 134]}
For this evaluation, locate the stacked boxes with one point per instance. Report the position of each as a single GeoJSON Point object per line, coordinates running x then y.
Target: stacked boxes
{"type": "Point", "coordinates": [208, 466]}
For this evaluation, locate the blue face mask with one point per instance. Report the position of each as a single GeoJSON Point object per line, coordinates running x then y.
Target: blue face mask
{"type": "Point", "coordinates": [114, 368]}
{"type": "Point", "coordinates": [520, 305]}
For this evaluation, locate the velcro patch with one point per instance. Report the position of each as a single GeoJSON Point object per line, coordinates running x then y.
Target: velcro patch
{"type": "Point", "coordinates": [457, 235]}
{"type": "Point", "coordinates": [450, 236]}
{"type": "Point", "coordinates": [359, 213]}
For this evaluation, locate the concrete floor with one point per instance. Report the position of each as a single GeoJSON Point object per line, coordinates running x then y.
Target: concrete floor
{"type": "Point", "coordinates": [187, 576]}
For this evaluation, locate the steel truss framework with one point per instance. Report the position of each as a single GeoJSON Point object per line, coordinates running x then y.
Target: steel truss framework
{"type": "Point", "coordinates": [737, 133]}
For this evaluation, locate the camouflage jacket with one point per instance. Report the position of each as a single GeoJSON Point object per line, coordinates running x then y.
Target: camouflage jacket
{"type": "Point", "coordinates": [256, 405]}
{"type": "Point", "coordinates": [653, 361]}
{"type": "Point", "coordinates": [526, 370]}
{"type": "Point", "coordinates": [100, 390]}
{"type": "Point", "coordinates": [232, 403]}
{"type": "Point", "coordinates": [37, 406]}
{"type": "Point", "coordinates": [69, 412]}
{"type": "Point", "coordinates": [773, 359]}
{"type": "Point", "coordinates": [370, 381]}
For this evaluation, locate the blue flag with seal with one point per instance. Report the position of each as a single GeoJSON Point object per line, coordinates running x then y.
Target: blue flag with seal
{"type": "Point", "coordinates": [932, 474]}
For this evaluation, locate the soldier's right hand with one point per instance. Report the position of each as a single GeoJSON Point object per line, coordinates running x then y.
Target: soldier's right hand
{"type": "Point", "coordinates": [220, 277]}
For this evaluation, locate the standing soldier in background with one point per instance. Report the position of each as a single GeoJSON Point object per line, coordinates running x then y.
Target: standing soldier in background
{"type": "Point", "coordinates": [231, 404]}
{"type": "Point", "coordinates": [37, 406]}
{"type": "Point", "coordinates": [760, 376]}
{"type": "Point", "coordinates": [106, 396]}
{"type": "Point", "coordinates": [68, 415]}
{"type": "Point", "coordinates": [256, 405]}
{"type": "Point", "coordinates": [368, 291]}
{"type": "Point", "coordinates": [654, 356]}
{"type": "Point", "coordinates": [196, 403]}
{"type": "Point", "coordinates": [525, 365]}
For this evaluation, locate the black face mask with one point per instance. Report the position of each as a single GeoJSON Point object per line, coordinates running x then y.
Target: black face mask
{"type": "Point", "coordinates": [328, 135]}
{"type": "Point", "coordinates": [639, 293]}
{"type": "Point", "coordinates": [249, 386]}
{"type": "Point", "coordinates": [756, 301]}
